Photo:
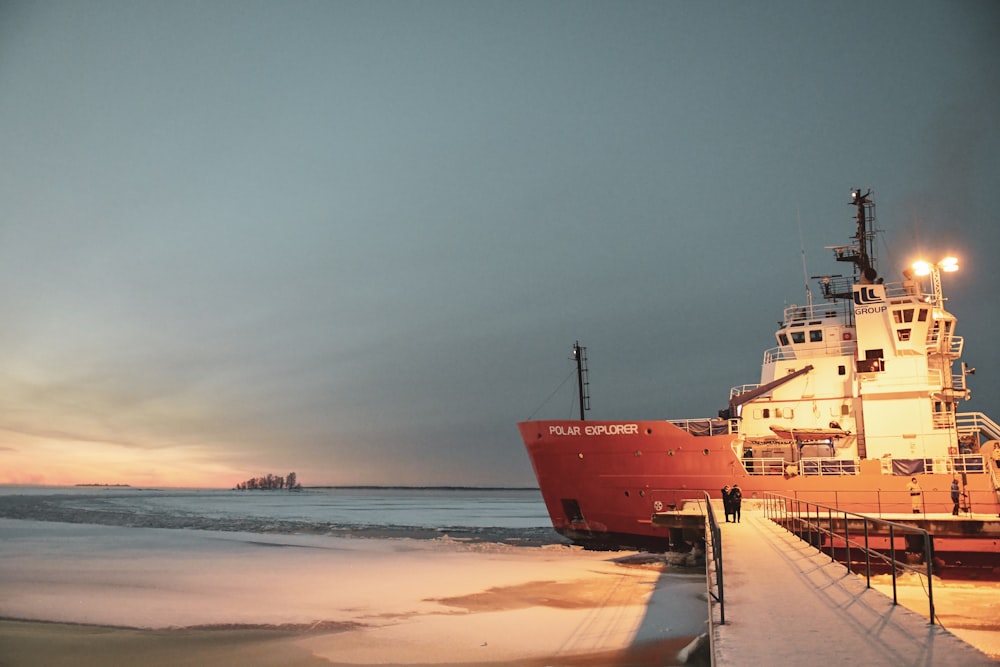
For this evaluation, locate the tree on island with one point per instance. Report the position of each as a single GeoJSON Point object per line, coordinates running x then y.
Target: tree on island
{"type": "Point", "coordinates": [270, 482]}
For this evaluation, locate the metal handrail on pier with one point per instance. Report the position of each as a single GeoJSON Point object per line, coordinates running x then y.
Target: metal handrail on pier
{"type": "Point", "coordinates": [818, 521]}
{"type": "Point", "coordinates": [713, 541]}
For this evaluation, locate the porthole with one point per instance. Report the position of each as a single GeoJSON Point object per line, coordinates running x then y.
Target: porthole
{"type": "Point", "coordinates": [705, 452]}
{"type": "Point", "coordinates": [638, 452]}
{"type": "Point", "coordinates": [580, 455]}
{"type": "Point", "coordinates": [670, 452]}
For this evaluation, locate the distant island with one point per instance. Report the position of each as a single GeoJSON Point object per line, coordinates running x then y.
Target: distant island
{"type": "Point", "coordinates": [103, 485]}
{"type": "Point", "coordinates": [270, 482]}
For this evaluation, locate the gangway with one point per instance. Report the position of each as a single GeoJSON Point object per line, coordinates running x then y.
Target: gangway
{"type": "Point", "coordinates": [977, 424]}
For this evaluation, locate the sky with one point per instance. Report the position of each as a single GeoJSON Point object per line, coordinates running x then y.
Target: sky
{"type": "Point", "coordinates": [357, 240]}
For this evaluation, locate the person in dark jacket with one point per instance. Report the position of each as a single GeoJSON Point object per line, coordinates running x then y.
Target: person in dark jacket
{"type": "Point", "coordinates": [727, 501]}
{"type": "Point", "coordinates": [735, 501]}
{"type": "Point", "coordinates": [954, 496]}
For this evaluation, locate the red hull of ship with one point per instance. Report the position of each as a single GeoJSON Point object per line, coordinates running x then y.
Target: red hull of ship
{"type": "Point", "coordinates": [603, 481]}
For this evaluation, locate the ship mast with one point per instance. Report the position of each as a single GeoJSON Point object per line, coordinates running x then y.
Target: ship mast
{"type": "Point", "coordinates": [582, 381]}
{"type": "Point", "coordinates": [862, 255]}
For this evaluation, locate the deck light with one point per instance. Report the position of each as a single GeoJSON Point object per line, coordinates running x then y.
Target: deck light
{"type": "Point", "coordinates": [948, 264]}
{"type": "Point", "coordinates": [922, 268]}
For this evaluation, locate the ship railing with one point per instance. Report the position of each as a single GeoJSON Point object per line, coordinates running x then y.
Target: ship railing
{"type": "Point", "coordinates": [955, 344]}
{"type": "Point", "coordinates": [810, 466]}
{"type": "Point", "coordinates": [774, 354]}
{"type": "Point", "coordinates": [958, 381]}
{"type": "Point", "coordinates": [742, 389]}
{"type": "Point", "coordinates": [841, 286]}
{"type": "Point", "coordinates": [707, 426]}
{"type": "Point", "coordinates": [825, 310]}
{"type": "Point", "coordinates": [896, 290]}
{"type": "Point", "coordinates": [846, 348]}
{"type": "Point", "coordinates": [827, 467]}
{"type": "Point", "coordinates": [760, 465]}
{"type": "Point", "coordinates": [829, 528]}
{"type": "Point", "coordinates": [968, 463]}
{"type": "Point", "coordinates": [840, 349]}
{"type": "Point", "coordinates": [890, 504]}
{"type": "Point", "coordinates": [940, 465]}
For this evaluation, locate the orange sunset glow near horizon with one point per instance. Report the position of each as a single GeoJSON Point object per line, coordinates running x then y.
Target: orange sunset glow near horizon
{"type": "Point", "coordinates": [48, 462]}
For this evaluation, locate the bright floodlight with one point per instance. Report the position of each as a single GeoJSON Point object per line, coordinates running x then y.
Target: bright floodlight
{"type": "Point", "coordinates": [948, 264]}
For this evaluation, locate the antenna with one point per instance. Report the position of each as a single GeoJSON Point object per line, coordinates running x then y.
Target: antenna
{"type": "Point", "coordinates": [805, 274]}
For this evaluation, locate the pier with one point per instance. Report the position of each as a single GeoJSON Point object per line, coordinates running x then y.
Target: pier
{"type": "Point", "coordinates": [788, 603]}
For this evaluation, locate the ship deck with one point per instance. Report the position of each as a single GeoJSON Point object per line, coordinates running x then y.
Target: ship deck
{"type": "Point", "coordinates": [787, 603]}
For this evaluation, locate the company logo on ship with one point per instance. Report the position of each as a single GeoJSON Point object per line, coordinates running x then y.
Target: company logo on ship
{"type": "Point", "coordinates": [596, 429]}
{"type": "Point", "coordinates": [869, 299]}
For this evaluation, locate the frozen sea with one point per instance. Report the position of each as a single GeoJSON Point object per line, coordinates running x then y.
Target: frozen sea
{"type": "Point", "coordinates": [511, 516]}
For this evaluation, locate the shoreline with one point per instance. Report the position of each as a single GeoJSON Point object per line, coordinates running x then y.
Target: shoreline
{"type": "Point", "coordinates": [35, 642]}
{"type": "Point", "coordinates": [45, 643]}
{"type": "Point", "coordinates": [157, 596]}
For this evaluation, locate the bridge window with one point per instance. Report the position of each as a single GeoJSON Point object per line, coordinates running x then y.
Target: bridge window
{"type": "Point", "coordinates": [903, 334]}
{"type": "Point", "coordinates": [798, 336]}
{"type": "Point", "coordinates": [873, 362]}
{"type": "Point", "coordinates": [815, 335]}
{"type": "Point", "coordinates": [922, 315]}
{"type": "Point", "coordinates": [783, 339]}
{"type": "Point", "coordinates": [871, 366]}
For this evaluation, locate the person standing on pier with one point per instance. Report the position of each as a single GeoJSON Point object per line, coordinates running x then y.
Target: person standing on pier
{"type": "Point", "coordinates": [954, 496]}
{"type": "Point", "coordinates": [727, 501]}
{"type": "Point", "coordinates": [915, 492]}
{"type": "Point", "coordinates": [736, 500]}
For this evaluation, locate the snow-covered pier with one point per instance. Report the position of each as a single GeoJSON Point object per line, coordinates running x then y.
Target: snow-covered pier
{"type": "Point", "coordinates": [788, 603]}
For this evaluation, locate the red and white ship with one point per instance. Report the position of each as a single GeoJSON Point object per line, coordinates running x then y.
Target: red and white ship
{"type": "Point", "coordinates": [859, 395]}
